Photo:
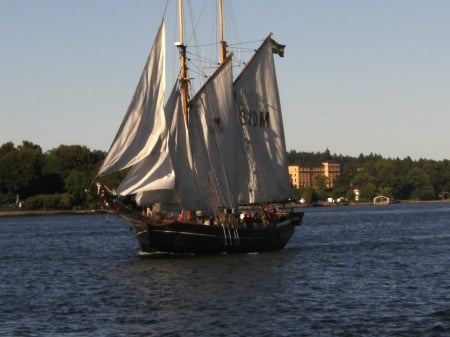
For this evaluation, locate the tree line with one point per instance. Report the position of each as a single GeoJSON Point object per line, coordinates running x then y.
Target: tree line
{"type": "Point", "coordinates": [372, 175]}
{"type": "Point", "coordinates": [58, 178]}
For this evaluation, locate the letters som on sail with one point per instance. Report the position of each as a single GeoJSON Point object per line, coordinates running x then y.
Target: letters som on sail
{"type": "Point", "coordinates": [254, 118]}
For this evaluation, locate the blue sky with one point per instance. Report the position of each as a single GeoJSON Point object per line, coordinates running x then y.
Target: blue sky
{"type": "Point", "coordinates": [359, 76]}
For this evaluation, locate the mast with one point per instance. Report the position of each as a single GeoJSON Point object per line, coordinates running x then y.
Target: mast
{"type": "Point", "coordinates": [184, 80]}
{"type": "Point", "coordinates": [223, 44]}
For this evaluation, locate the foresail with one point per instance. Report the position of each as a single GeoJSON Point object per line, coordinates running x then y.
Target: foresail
{"type": "Point", "coordinates": [186, 182]}
{"type": "Point", "coordinates": [153, 173]}
{"type": "Point", "coordinates": [143, 126]}
{"type": "Point", "coordinates": [153, 179]}
{"type": "Point", "coordinates": [258, 103]}
{"type": "Point", "coordinates": [167, 176]}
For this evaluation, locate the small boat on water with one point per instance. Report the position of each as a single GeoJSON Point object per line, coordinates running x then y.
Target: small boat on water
{"type": "Point", "coordinates": [381, 200]}
{"type": "Point", "coordinates": [208, 171]}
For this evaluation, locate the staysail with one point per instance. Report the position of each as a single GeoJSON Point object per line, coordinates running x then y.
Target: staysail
{"type": "Point", "coordinates": [143, 126]}
{"type": "Point", "coordinates": [259, 109]}
{"type": "Point", "coordinates": [214, 133]}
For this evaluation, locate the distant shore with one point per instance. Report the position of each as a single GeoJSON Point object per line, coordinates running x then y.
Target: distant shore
{"type": "Point", "coordinates": [14, 213]}
{"type": "Point", "coordinates": [26, 212]}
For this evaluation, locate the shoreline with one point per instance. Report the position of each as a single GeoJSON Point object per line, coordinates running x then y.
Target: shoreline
{"type": "Point", "coordinates": [16, 213]}
{"type": "Point", "coordinates": [22, 212]}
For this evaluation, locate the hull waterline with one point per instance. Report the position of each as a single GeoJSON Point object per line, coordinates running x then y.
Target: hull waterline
{"type": "Point", "coordinates": [178, 237]}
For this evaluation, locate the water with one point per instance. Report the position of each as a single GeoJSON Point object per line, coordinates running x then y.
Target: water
{"type": "Point", "coordinates": [348, 271]}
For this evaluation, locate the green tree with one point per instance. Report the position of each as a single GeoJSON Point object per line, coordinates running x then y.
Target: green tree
{"type": "Point", "coordinates": [310, 196]}
{"type": "Point", "coordinates": [76, 183]}
{"type": "Point", "coordinates": [321, 187]}
{"type": "Point", "coordinates": [368, 191]}
{"type": "Point", "coordinates": [20, 167]}
{"type": "Point", "coordinates": [384, 176]}
{"type": "Point", "coordinates": [420, 181]}
{"type": "Point", "coordinates": [8, 154]}
{"type": "Point", "coordinates": [74, 164]}
{"type": "Point", "coordinates": [66, 158]}
{"type": "Point", "coordinates": [399, 187]}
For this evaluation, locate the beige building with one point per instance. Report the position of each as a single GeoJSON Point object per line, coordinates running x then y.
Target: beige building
{"type": "Point", "coordinates": [304, 176]}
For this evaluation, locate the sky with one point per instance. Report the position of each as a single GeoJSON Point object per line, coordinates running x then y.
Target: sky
{"type": "Point", "coordinates": [358, 76]}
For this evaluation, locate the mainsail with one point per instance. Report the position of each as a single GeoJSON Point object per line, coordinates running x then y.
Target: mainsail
{"type": "Point", "coordinates": [258, 102]}
{"type": "Point", "coordinates": [143, 126]}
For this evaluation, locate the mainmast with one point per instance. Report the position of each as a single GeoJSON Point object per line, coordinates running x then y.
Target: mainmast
{"type": "Point", "coordinates": [184, 80]}
{"type": "Point", "coordinates": [223, 44]}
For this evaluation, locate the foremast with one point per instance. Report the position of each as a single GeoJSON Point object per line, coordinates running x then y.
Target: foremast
{"type": "Point", "coordinates": [223, 44]}
{"type": "Point", "coordinates": [184, 80]}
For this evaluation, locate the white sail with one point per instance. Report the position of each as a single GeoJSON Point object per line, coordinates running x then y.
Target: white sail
{"type": "Point", "coordinates": [258, 102]}
{"type": "Point", "coordinates": [169, 176]}
{"type": "Point", "coordinates": [214, 136]}
{"type": "Point", "coordinates": [153, 179]}
{"type": "Point", "coordinates": [153, 173]}
{"type": "Point", "coordinates": [143, 126]}
{"type": "Point", "coordinates": [186, 182]}
{"type": "Point", "coordinates": [233, 150]}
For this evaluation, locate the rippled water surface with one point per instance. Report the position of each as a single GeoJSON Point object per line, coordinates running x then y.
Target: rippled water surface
{"type": "Point", "coordinates": [348, 271]}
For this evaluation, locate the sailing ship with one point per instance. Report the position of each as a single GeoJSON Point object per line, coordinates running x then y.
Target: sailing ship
{"type": "Point", "coordinates": [210, 170]}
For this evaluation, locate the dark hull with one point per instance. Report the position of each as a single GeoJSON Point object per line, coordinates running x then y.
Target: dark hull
{"type": "Point", "coordinates": [178, 237]}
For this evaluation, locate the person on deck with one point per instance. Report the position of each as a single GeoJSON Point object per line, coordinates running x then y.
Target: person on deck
{"type": "Point", "coordinates": [112, 192]}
